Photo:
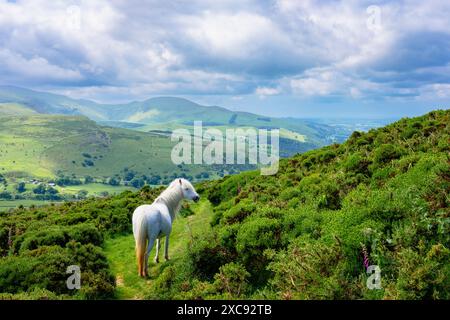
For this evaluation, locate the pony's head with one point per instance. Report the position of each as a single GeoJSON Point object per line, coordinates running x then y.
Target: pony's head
{"type": "Point", "coordinates": [187, 189]}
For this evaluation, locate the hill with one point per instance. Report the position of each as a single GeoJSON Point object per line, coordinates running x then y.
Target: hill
{"type": "Point", "coordinates": [157, 113]}
{"type": "Point", "coordinates": [309, 232]}
{"type": "Point", "coordinates": [43, 145]}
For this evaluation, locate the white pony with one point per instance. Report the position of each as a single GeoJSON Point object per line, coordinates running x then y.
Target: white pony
{"type": "Point", "coordinates": [154, 221]}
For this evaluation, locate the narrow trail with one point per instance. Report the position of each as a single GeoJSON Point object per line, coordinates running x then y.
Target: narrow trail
{"type": "Point", "coordinates": [121, 257]}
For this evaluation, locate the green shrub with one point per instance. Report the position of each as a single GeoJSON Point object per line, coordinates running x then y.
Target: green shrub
{"type": "Point", "coordinates": [386, 153]}
{"type": "Point", "coordinates": [311, 270]}
{"type": "Point", "coordinates": [239, 212]}
{"type": "Point", "coordinates": [357, 163]}
{"type": "Point", "coordinates": [83, 233]}
{"type": "Point", "coordinates": [232, 280]}
{"type": "Point", "coordinates": [206, 256]}
{"type": "Point", "coordinates": [422, 275]}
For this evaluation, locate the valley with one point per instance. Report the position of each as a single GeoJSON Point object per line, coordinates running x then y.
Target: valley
{"type": "Point", "coordinates": [64, 142]}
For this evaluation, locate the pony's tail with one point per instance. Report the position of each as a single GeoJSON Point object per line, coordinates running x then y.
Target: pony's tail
{"type": "Point", "coordinates": [140, 238]}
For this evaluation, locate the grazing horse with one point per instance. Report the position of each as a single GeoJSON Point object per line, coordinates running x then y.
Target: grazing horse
{"type": "Point", "coordinates": [152, 222]}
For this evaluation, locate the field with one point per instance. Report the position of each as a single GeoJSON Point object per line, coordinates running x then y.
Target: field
{"type": "Point", "coordinates": [6, 205]}
{"type": "Point", "coordinates": [94, 189]}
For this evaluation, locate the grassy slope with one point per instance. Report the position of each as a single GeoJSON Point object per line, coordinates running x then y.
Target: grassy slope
{"type": "Point", "coordinates": [39, 146]}
{"type": "Point", "coordinates": [15, 109]}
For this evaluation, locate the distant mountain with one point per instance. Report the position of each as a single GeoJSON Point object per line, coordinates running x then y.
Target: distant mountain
{"type": "Point", "coordinates": [49, 103]}
{"type": "Point", "coordinates": [162, 113]}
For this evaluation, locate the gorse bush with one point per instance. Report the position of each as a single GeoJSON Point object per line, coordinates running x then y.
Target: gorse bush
{"type": "Point", "coordinates": [300, 234]}
{"type": "Point", "coordinates": [82, 233]}
{"type": "Point", "coordinates": [232, 280]}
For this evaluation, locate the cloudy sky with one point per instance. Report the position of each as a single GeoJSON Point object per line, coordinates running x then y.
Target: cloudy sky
{"type": "Point", "coordinates": [275, 57]}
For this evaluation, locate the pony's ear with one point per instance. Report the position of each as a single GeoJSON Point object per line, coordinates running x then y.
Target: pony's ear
{"type": "Point", "coordinates": [179, 180]}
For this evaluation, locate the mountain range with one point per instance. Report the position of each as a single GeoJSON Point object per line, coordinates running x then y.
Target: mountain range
{"type": "Point", "coordinates": [161, 113]}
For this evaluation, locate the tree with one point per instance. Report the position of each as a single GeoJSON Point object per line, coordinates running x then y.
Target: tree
{"type": "Point", "coordinates": [51, 190]}
{"type": "Point", "coordinates": [104, 194]}
{"type": "Point", "coordinates": [154, 180]}
{"type": "Point", "coordinates": [40, 189]}
{"type": "Point", "coordinates": [82, 194]}
{"type": "Point", "coordinates": [129, 176]}
{"type": "Point", "coordinates": [114, 181]}
{"type": "Point", "coordinates": [5, 195]}
{"type": "Point", "coordinates": [88, 163]}
{"type": "Point", "coordinates": [137, 182]}
{"type": "Point", "coordinates": [21, 187]}
{"type": "Point", "coordinates": [88, 179]}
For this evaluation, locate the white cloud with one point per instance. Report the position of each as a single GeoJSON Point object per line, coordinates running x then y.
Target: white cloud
{"type": "Point", "coordinates": [434, 91]}
{"type": "Point", "coordinates": [238, 34]}
{"type": "Point", "coordinates": [266, 91]}
{"type": "Point", "coordinates": [318, 84]}
{"type": "Point", "coordinates": [37, 68]}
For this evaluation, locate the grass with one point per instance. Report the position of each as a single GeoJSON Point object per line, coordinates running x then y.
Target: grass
{"type": "Point", "coordinates": [121, 256]}
{"type": "Point", "coordinates": [39, 146]}
{"type": "Point", "coordinates": [15, 109]}
{"type": "Point", "coordinates": [11, 204]}
{"type": "Point", "coordinates": [284, 133]}
{"type": "Point", "coordinates": [94, 189]}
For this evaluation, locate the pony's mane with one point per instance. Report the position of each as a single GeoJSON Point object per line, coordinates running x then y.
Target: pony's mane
{"type": "Point", "coordinates": [172, 197]}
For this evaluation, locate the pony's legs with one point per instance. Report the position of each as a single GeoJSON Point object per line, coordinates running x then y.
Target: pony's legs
{"type": "Point", "coordinates": [158, 246]}
{"type": "Point", "coordinates": [166, 248]}
{"type": "Point", "coordinates": [151, 242]}
{"type": "Point", "coordinates": [140, 255]}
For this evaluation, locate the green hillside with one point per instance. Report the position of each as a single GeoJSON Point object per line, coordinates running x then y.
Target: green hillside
{"type": "Point", "coordinates": [40, 146]}
{"type": "Point", "coordinates": [300, 234]}
{"type": "Point", "coordinates": [48, 146]}
{"type": "Point", "coordinates": [15, 109]}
